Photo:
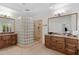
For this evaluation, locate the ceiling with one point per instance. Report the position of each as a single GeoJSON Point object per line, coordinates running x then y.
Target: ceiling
{"type": "Point", "coordinates": [33, 9]}
{"type": "Point", "coordinates": [36, 9]}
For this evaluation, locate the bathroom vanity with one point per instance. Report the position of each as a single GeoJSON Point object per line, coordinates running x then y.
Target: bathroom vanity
{"type": "Point", "coordinates": [61, 34]}
{"type": "Point", "coordinates": [8, 39]}
{"type": "Point", "coordinates": [62, 43]}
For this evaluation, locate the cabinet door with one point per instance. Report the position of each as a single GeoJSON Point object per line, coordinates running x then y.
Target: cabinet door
{"type": "Point", "coordinates": [6, 39]}
{"type": "Point", "coordinates": [78, 47]}
{"type": "Point", "coordinates": [72, 41]}
{"type": "Point", "coordinates": [47, 42]}
{"type": "Point", "coordinates": [70, 51]}
{"type": "Point", "coordinates": [53, 42]}
{"type": "Point", "coordinates": [71, 46]}
{"type": "Point", "coordinates": [2, 43]}
{"type": "Point", "coordinates": [14, 39]}
{"type": "Point", "coordinates": [60, 44]}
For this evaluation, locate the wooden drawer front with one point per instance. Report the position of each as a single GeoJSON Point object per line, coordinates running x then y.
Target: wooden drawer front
{"type": "Point", "coordinates": [72, 41]}
{"type": "Point", "coordinates": [47, 43]}
{"type": "Point", "coordinates": [13, 40]}
{"type": "Point", "coordinates": [47, 37]}
{"type": "Point", "coordinates": [7, 37]}
{"type": "Point", "coordinates": [61, 45]}
{"type": "Point", "coordinates": [60, 42]}
{"type": "Point", "coordinates": [78, 44]}
{"type": "Point", "coordinates": [14, 37]}
{"type": "Point", "coordinates": [47, 40]}
{"type": "Point", "coordinates": [53, 40]}
{"type": "Point", "coordinates": [61, 50]}
{"type": "Point", "coordinates": [78, 51]}
{"type": "Point", "coordinates": [70, 52]}
{"type": "Point", "coordinates": [2, 44]}
{"type": "Point", "coordinates": [60, 39]}
{"type": "Point", "coordinates": [53, 45]}
{"type": "Point", "coordinates": [0, 37]}
{"type": "Point", "coordinates": [71, 46]}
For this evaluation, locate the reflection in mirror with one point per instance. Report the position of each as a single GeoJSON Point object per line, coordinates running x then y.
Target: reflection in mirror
{"type": "Point", "coordinates": [6, 25]}
{"type": "Point", "coordinates": [63, 24]}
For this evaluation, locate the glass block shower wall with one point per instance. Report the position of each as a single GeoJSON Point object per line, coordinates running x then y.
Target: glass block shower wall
{"type": "Point", "coordinates": [24, 27]}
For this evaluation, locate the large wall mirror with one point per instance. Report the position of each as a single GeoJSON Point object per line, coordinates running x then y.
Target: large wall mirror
{"type": "Point", "coordinates": [58, 24]}
{"type": "Point", "coordinates": [7, 25]}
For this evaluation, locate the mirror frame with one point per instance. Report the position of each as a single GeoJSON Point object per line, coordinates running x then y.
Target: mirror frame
{"type": "Point", "coordinates": [63, 16]}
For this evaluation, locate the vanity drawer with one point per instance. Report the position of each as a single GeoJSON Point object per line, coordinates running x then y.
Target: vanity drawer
{"type": "Point", "coordinates": [47, 40]}
{"type": "Point", "coordinates": [47, 43]}
{"type": "Point", "coordinates": [70, 52]}
{"type": "Point", "coordinates": [47, 37]}
{"type": "Point", "coordinates": [0, 37]}
{"type": "Point", "coordinates": [7, 37]}
{"type": "Point", "coordinates": [78, 51]}
{"type": "Point", "coordinates": [60, 42]}
{"type": "Point", "coordinates": [61, 50]}
{"type": "Point", "coordinates": [53, 40]}
{"type": "Point", "coordinates": [53, 46]}
{"type": "Point", "coordinates": [2, 42]}
{"type": "Point", "coordinates": [60, 46]}
{"type": "Point", "coordinates": [60, 39]}
{"type": "Point", "coordinates": [78, 45]}
{"type": "Point", "coordinates": [71, 46]}
{"type": "Point", "coordinates": [72, 41]}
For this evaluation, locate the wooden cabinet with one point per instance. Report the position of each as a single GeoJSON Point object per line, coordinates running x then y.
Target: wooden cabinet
{"type": "Point", "coordinates": [55, 43]}
{"type": "Point", "coordinates": [13, 39]}
{"type": "Point", "coordinates": [62, 44]}
{"type": "Point", "coordinates": [71, 46]}
{"type": "Point", "coordinates": [47, 42]}
{"type": "Point", "coordinates": [2, 43]}
{"type": "Point", "coordinates": [78, 48]}
{"type": "Point", "coordinates": [8, 40]}
{"type": "Point", "coordinates": [58, 43]}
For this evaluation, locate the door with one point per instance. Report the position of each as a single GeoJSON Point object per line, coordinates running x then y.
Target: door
{"type": "Point", "coordinates": [38, 30]}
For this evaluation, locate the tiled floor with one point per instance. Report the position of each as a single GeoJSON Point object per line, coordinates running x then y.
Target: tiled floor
{"type": "Point", "coordinates": [37, 49]}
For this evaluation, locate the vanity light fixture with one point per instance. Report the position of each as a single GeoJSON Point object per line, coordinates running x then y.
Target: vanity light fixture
{"type": "Point", "coordinates": [59, 12]}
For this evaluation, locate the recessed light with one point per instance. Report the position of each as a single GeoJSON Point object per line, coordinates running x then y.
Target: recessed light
{"type": "Point", "coordinates": [27, 10]}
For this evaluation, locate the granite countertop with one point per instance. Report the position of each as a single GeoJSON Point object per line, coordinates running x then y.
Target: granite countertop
{"type": "Point", "coordinates": [63, 36]}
